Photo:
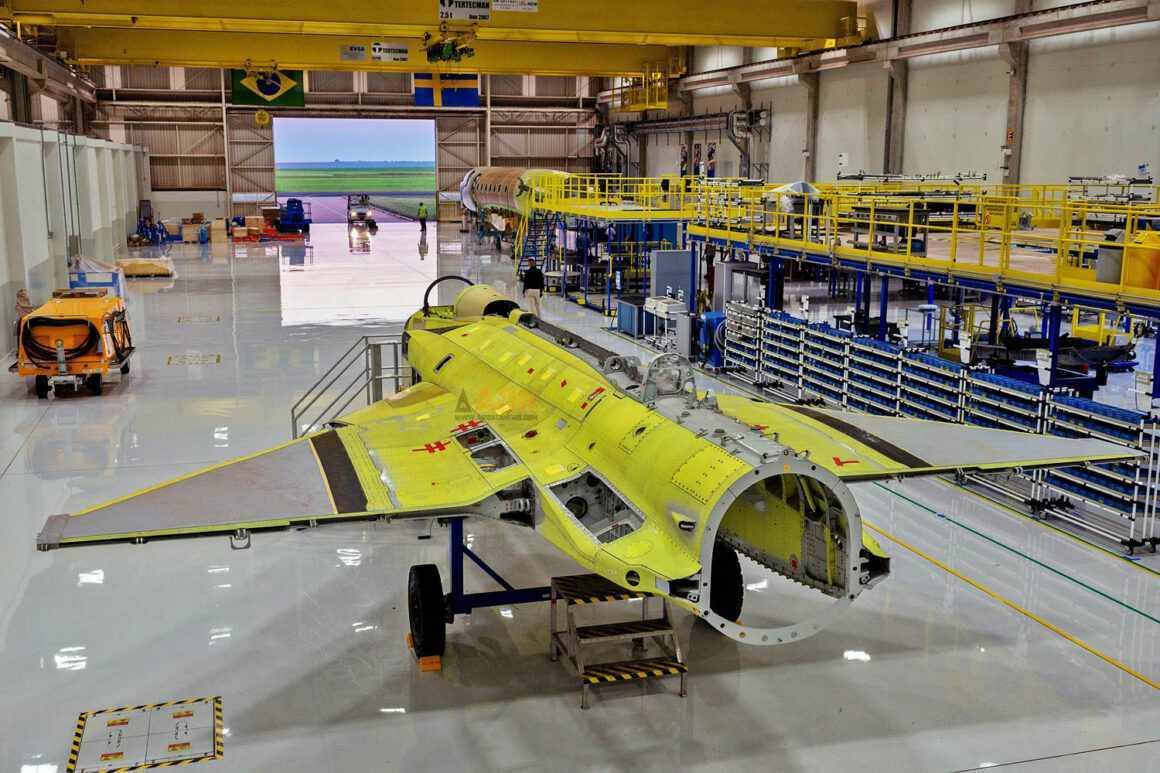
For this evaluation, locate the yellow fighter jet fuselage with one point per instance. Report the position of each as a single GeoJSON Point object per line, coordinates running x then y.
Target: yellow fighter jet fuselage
{"type": "Point", "coordinates": [626, 468]}
{"type": "Point", "coordinates": [639, 488]}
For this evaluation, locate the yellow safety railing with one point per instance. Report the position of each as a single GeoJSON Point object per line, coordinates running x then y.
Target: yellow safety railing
{"type": "Point", "coordinates": [1051, 236]}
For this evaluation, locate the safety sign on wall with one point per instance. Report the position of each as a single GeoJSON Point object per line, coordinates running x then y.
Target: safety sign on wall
{"type": "Point", "coordinates": [464, 10]}
{"type": "Point", "coordinates": [389, 51]}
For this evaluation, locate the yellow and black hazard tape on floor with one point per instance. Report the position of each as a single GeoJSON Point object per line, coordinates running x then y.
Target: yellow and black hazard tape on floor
{"type": "Point", "coordinates": [592, 589]}
{"type": "Point", "coordinates": [630, 670]}
{"type": "Point", "coordinates": [106, 765]}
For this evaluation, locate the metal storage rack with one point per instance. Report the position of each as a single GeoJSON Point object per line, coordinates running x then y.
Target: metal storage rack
{"type": "Point", "coordinates": [743, 340]}
{"type": "Point", "coordinates": [787, 355]}
{"type": "Point", "coordinates": [874, 376]}
{"type": "Point", "coordinates": [825, 359]}
{"type": "Point", "coordinates": [932, 388]}
{"type": "Point", "coordinates": [782, 337]}
{"type": "Point", "coordinates": [1004, 403]}
{"type": "Point", "coordinates": [1125, 490]}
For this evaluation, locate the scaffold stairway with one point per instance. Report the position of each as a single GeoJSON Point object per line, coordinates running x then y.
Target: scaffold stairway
{"type": "Point", "coordinates": [537, 238]}
{"type": "Point", "coordinates": [571, 640]}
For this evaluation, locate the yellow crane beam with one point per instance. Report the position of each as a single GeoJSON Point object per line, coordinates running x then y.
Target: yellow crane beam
{"type": "Point", "coordinates": [325, 52]}
{"type": "Point", "coordinates": [785, 23]}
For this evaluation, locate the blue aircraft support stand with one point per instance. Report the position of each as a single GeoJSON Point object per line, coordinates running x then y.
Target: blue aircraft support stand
{"type": "Point", "coordinates": [461, 603]}
{"type": "Point", "coordinates": [775, 285]}
{"type": "Point", "coordinates": [1054, 317]}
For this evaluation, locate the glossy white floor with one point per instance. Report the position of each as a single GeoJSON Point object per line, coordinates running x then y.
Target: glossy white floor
{"type": "Point", "coordinates": [302, 635]}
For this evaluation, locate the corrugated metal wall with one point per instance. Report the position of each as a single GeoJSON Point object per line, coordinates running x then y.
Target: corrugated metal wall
{"type": "Point", "coordinates": [458, 148]}
{"type": "Point", "coordinates": [330, 81]}
{"type": "Point", "coordinates": [203, 79]}
{"type": "Point", "coordinates": [144, 77]}
{"type": "Point", "coordinates": [388, 83]}
{"type": "Point", "coordinates": [555, 86]}
{"type": "Point", "coordinates": [186, 144]}
{"type": "Point", "coordinates": [251, 163]}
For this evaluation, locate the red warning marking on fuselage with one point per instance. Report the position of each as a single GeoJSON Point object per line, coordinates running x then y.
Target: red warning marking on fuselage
{"type": "Point", "coordinates": [531, 371]}
{"type": "Point", "coordinates": [844, 462]}
{"type": "Point", "coordinates": [432, 448]}
{"type": "Point", "coordinates": [473, 424]}
{"type": "Point", "coordinates": [563, 383]}
{"type": "Point", "coordinates": [758, 427]}
{"type": "Point", "coordinates": [595, 392]}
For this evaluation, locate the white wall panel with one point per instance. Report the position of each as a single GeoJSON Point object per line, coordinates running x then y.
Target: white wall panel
{"type": "Point", "coordinates": [956, 117]}
{"type": "Point", "coordinates": [787, 131]}
{"type": "Point", "coordinates": [1093, 109]}
{"type": "Point", "coordinates": [716, 57]}
{"type": "Point", "coordinates": [936, 14]}
{"type": "Point", "coordinates": [851, 119]}
{"type": "Point", "coordinates": [42, 205]}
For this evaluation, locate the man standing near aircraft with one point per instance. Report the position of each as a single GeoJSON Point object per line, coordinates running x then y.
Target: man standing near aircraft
{"type": "Point", "coordinates": [423, 216]}
{"type": "Point", "coordinates": [534, 287]}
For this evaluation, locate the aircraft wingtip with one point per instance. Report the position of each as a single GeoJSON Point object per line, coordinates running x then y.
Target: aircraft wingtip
{"type": "Point", "coordinates": [50, 536]}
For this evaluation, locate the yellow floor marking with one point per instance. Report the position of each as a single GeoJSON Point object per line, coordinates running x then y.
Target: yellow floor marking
{"type": "Point", "coordinates": [1012, 605]}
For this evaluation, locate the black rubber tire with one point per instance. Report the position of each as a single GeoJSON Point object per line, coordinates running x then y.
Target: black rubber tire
{"type": "Point", "coordinates": [726, 586]}
{"type": "Point", "coordinates": [94, 383]}
{"type": "Point", "coordinates": [42, 387]}
{"type": "Point", "coordinates": [427, 610]}
{"type": "Point", "coordinates": [125, 369]}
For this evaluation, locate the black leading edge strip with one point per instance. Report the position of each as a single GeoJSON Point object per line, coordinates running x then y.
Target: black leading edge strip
{"type": "Point", "coordinates": [345, 488]}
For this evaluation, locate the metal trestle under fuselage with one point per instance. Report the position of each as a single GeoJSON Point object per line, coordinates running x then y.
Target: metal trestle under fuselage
{"type": "Point", "coordinates": [570, 641]}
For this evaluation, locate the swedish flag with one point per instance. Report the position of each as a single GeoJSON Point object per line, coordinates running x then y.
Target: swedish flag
{"type": "Point", "coordinates": [434, 89]}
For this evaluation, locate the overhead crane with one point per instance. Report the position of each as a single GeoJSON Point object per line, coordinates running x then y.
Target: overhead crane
{"type": "Point", "coordinates": [599, 38]}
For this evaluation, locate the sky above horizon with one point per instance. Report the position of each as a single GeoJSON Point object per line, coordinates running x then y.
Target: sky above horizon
{"type": "Point", "coordinates": [353, 139]}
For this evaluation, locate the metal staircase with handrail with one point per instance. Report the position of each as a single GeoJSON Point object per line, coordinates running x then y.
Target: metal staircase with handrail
{"type": "Point", "coordinates": [359, 372]}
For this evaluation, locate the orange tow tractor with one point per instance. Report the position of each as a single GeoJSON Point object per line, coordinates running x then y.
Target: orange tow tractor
{"type": "Point", "coordinates": [77, 338]}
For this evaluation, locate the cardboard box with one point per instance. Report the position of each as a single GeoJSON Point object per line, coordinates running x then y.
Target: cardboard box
{"type": "Point", "coordinates": [172, 228]}
{"type": "Point", "coordinates": [218, 233]}
{"type": "Point", "coordinates": [198, 217]}
{"type": "Point", "coordinates": [191, 233]}
{"type": "Point", "coordinates": [255, 221]}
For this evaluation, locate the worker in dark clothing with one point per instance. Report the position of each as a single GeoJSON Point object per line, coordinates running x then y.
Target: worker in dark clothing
{"type": "Point", "coordinates": [534, 287]}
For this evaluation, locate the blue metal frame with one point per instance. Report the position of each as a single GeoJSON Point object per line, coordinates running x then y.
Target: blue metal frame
{"type": "Point", "coordinates": [917, 274]}
{"type": "Point", "coordinates": [461, 603]}
{"type": "Point", "coordinates": [882, 302]}
{"type": "Point", "coordinates": [1055, 316]}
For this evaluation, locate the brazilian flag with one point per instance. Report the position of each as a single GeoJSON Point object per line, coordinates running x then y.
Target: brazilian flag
{"type": "Point", "coordinates": [270, 88]}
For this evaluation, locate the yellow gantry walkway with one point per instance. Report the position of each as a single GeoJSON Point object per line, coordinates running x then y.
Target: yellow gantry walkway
{"type": "Point", "coordinates": [1044, 242]}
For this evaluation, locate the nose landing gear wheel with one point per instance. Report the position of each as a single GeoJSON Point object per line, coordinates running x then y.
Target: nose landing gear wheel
{"type": "Point", "coordinates": [93, 382]}
{"type": "Point", "coordinates": [727, 588]}
{"type": "Point", "coordinates": [427, 610]}
{"type": "Point", "coordinates": [42, 387]}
